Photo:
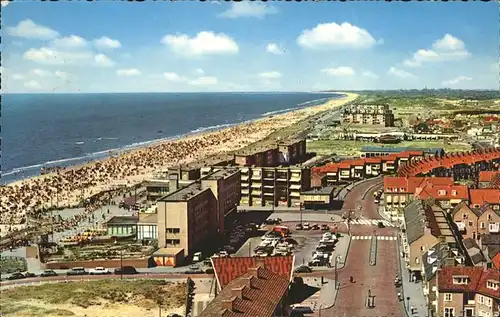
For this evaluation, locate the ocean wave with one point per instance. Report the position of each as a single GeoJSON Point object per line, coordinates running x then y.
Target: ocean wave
{"type": "Point", "coordinates": [128, 147]}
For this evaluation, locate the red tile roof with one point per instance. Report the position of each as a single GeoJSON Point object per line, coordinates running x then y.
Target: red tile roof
{"type": "Point", "coordinates": [485, 195]}
{"type": "Point", "coordinates": [333, 167]}
{"type": "Point", "coordinates": [464, 158]}
{"type": "Point", "coordinates": [410, 184]}
{"type": "Point", "coordinates": [496, 261]}
{"type": "Point", "coordinates": [227, 269]}
{"type": "Point", "coordinates": [253, 294]}
{"type": "Point", "coordinates": [442, 192]}
{"type": "Point", "coordinates": [478, 278]}
{"type": "Point", "coordinates": [488, 176]}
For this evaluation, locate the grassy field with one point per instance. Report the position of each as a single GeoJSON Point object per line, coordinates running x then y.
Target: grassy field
{"type": "Point", "coordinates": [340, 147]}
{"type": "Point", "coordinates": [99, 298]}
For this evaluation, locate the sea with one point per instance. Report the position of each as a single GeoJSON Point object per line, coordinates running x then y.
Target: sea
{"type": "Point", "coordinates": [44, 130]}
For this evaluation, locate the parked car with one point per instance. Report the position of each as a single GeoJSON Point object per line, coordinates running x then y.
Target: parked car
{"type": "Point", "coordinates": [29, 274]}
{"type": "Point", "coordinates": [16, 276]}
{"type": "Point", "coordinates": [303, 269]}
{"type": "Point", "coordinates": [77, 271]}
{"type": "Point", "coordinates": [173, 315]}
{"type": "Point", "coordinates": [380, 224]}
{"type": "Point", "coordinates": [126, 270]}
{"type": "Point", "coordinates": [194, 270]}
{"type": "Point", "coordinates": [298, 226]}
{"type": "Point", "coordinates": [47, 273]}
{"type": "Point", "coordinates": [325, 227]}
{"type": "Point", "coordinates": [307, 226]}
{"type": "Point", "coordinates": [315, 226]}
{"type": "Point", "coordinates": [99, 271]}
{"type": "Point", "coordinates": [209, 271]}
{"type": "Point", "coordinates": [223, 254]}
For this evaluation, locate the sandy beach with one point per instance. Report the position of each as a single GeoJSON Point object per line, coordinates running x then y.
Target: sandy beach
{"type": "Point", "coordinates": [66, 187]}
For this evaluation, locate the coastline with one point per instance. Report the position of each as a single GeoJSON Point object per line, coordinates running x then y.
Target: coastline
{"type": "Point", "coordinates": [253, 131]}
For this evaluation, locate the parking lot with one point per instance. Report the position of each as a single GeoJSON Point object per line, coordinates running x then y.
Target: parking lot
{"type": "Point", "coordinates": [302, 242]}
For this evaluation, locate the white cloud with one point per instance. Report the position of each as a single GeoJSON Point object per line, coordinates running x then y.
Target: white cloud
{"type": "Point", "coordinates": [199, 72]}
{"type": "Point", "coordinates": [71, 41]}
{"type": "Point", "coordinates": [447, 48]}
{"type": "Point", "coordinates": [400, 73]}
{"type": "Point", "coordinates": [30, 30]}
{"type": "Point", "coordinates": [270, 75]}
{"type": "Point", "coordinates": [173, 77]}
{"type": "Point", "coordinates": [32, 85]}
{"type": "Point", "coordinates": [369, 74]}
{"type": "Point", "coordinates": [330, 35]}
{"type": "Point", "coordinates": [339, 71]}
{"type": "Point", "coordinates": [449, 43]}
{"type": "Point", "coordinates": [128, 72]}
{"type": "Point", "coordinates": [17, 76]}
{"type": "Point", "coordinates": [203, 81]}
{"type": "Point", "coordinates": [204, 43]}
{"type": "Point", "coordinates": [51, 56]}
{"type": "Point", "coordinates": [63, 75]}
{"type": "Point", "coordinates": [273, 48]}
{"type": "Point", "coordinates": [103, 61]}
{"type": "Point", "coordinates": [456, 80]}
{"type": "Point", "coordinates": [5, 3]}
{"type": "Point", "coordinates": [106, 43]}
{"type": "Point", "coordinates": [247, 9]}
{"type": "Point", "coordinates": [41, 72]}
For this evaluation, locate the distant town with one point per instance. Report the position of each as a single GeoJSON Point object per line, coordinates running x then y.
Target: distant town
{"type": "Point", "coordinates": [385, 205]}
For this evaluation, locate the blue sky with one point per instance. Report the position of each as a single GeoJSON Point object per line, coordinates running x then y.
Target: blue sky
{"type": "Point", "coordinates": [66, 47]}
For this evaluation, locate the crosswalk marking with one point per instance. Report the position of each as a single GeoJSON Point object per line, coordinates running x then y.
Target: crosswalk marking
{"type": "Point", "coordinates": [370, 237]}
{"type": "Point", "coordinates": [371, 222]}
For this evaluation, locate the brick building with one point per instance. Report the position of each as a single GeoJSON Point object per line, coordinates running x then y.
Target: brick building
{"type": "Point", "coordinates": [251, 287]}
{"type": "Point", "coordinates": [468, 291]}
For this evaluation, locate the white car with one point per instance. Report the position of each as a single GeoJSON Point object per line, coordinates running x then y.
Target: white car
{"type": "Point", "coordinates": [99, 271]}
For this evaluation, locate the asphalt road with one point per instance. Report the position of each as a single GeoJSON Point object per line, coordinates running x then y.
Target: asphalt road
{"type": "Point", "coordinates": [376, 280]}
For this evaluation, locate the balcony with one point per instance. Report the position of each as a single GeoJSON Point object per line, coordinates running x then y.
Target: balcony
{"type": "Point", "coordinates": [256, 185]}
{"type": "Point", "coordinates": [256, 193]}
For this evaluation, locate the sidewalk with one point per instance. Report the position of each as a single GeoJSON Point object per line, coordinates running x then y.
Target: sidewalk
{"type": "Point", "coordinates": [414, 291]}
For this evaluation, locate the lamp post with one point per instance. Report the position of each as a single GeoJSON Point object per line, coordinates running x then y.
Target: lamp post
{"type": "Point", "coordinates": [337, 258]}
{"type": "Point", "coordinates": [121, 261]}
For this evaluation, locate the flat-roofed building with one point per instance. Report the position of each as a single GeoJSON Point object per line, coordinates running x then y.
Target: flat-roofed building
{"type": "Point", "coordinates": [186, 174]}
{"type": "Point", "coordinates": [225, 183]}
{"type": "Point", "coordinates": [321, 198]}
{"type": "Point", "coordinates": [285, 152]}
{"type": "Point", "coordinates": [147, 228]}
{"type": "Point", "coordinates": [122, 226]}
{"type": "Point", "coordinates": [156, 188]}
{"type": "Point", "coordinates": [281, 186]}
{"type": "Point", "coordinates": [188, 217]}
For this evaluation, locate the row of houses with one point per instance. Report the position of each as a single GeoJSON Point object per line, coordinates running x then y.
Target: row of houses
{"type": "Point", "coordinates": [461, 165]}
{"type": "Point", "coordinates": [364, 167]}
{"type": "Point", "coordinates": [432, 246]}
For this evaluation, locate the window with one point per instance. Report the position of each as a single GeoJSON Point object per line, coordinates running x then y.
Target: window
{"type": "Point", "coordinates": [441, 192]}
{"type": "Point", "coordinates": [464, 216]}
{"type": "Point", "coordinates": [447, 297]}
{"type": "Point", "coordinates": [449, 312]}
{"type": "Point", "coordinates": [480, 299]}
{"type": "Point", "coordinates": [417, 260]}
{"type": "Point", "coordinates": [470, 223]}
{"type": "Point", "coordinates": [460, 279]}
{"type": "Point", "coordinates": [492, 285]}
{"type": "Point", "coordinates": [422, 248]}
{"type": "Point", "coordinates": [489, 217]}
{"type": "Point", "coordinates": [453, 192]}
{"type": "Point", "coordinates": [488, 302]}
{"type": "Point", "coordinates": [482, 225]}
